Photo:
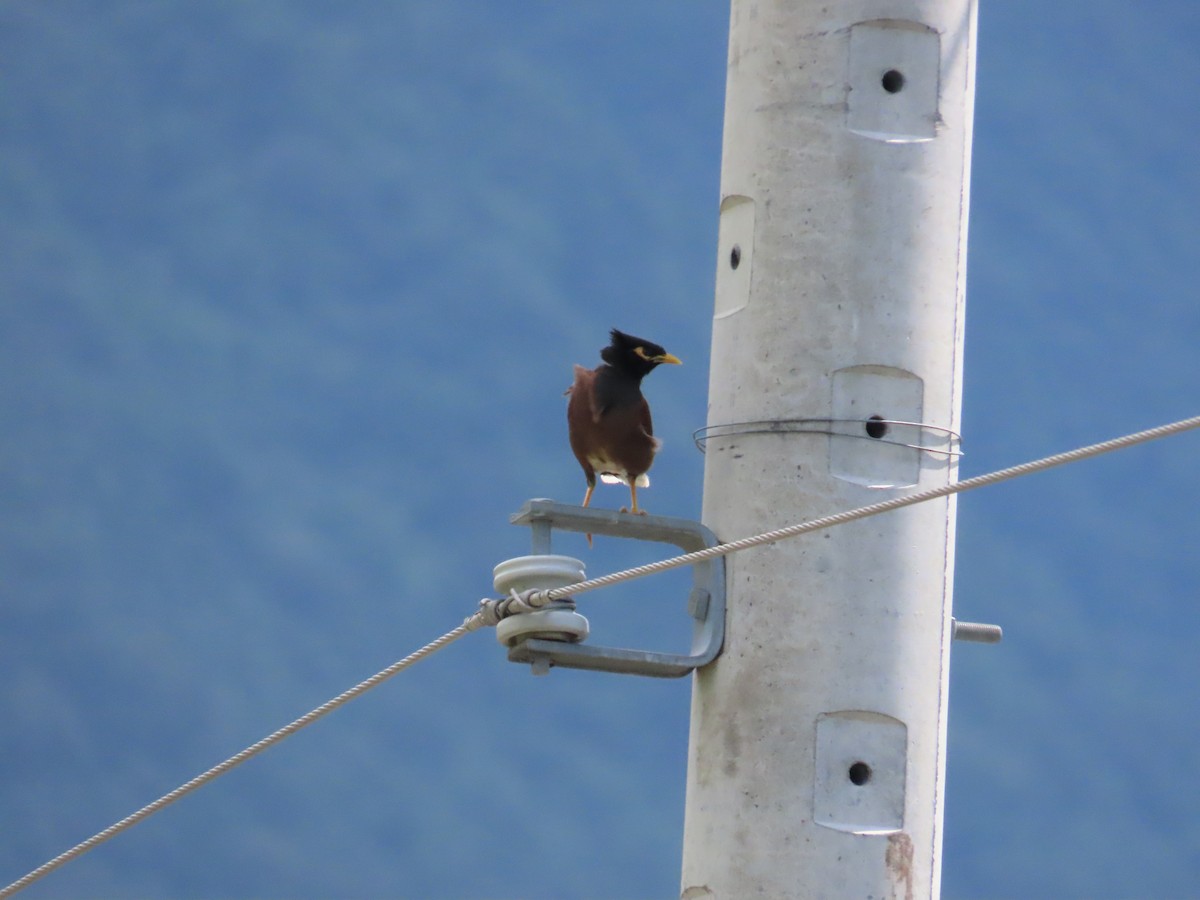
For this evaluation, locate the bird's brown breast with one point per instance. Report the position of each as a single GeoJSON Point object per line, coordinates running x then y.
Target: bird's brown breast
{"type": "Point", "coordinates": [610, 427]}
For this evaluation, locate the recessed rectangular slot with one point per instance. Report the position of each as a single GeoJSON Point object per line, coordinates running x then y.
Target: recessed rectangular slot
{"type": "Point", "coordinates": [869, 444]}
{"type": "Point", "coordinates": [861, 771]}
{"type": "Point", "coordinates": [893, 80]}
{"type": "Point", "coordinates": [735, 255]}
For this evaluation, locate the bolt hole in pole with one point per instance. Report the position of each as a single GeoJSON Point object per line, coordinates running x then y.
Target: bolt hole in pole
{"type": "Point", "coordinates": [859, 773]}
{"type": "Point", "coordinates": [735, 257]}
{"type": "Point", "coordinates": [892, 81]}
{"type": "Point", "coordinates": [876, 427]}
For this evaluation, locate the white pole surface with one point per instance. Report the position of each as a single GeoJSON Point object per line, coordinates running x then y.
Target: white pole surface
{"type": "Point", "coordinates": [817, 752]}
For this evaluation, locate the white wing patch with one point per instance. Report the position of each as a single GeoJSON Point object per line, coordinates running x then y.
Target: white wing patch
{"type": "Point", "coordinates": [612, 473]}
{"type": "Point", "coordinates": [643, 480]}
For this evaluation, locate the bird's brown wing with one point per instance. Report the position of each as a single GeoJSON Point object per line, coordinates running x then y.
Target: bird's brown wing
{"type": "Point", "coordinates": [647, 422]}
{"type": "Point", "coordinates": [585, 386]}
{"type": "Point", "coordinates": [581, 418]}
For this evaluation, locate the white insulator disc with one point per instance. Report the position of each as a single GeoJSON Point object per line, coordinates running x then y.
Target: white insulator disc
{"type": "Point", "coordinates": [539, 573]}
{"type": "Point", "coordinates": [545, 624]}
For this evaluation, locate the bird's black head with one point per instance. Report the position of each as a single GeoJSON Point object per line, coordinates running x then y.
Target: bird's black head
{"type": "Point", "coordinates": [634, 356]}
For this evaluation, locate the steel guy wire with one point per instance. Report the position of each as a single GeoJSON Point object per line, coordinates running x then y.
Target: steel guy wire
{"type": "Point", "coordinates": [539, 598]}
{"type": "Point", "coordinates": [491, 611]}
{"type": "Point", "coordinates": [236, 760]}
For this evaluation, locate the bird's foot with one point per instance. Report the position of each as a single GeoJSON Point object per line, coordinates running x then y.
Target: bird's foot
{"type": "Point", "coordinates": [636, 512]}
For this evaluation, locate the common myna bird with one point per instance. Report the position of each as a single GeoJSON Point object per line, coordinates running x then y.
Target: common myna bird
{"type": "Point", "coordinates": [608, 419]}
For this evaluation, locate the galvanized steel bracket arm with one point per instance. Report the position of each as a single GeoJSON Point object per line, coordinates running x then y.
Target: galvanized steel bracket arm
{"type": "Point", "coordinates": [706, 601]}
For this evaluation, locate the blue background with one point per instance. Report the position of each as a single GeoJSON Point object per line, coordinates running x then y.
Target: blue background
{"type": "Point", "coordinates": [289, 293]}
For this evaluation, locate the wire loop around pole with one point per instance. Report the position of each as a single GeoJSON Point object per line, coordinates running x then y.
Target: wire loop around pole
{"type": "Point", "coordinates": [873, 428]}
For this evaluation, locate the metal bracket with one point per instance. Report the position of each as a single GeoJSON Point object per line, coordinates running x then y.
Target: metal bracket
{"type": "Point", "coordinates": [706, 603]}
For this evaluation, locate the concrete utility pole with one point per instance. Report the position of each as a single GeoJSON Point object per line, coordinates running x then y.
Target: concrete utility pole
{"type": "Point", "coordinates": [817, 752]}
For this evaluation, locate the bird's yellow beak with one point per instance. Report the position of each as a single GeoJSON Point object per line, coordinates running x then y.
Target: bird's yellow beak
{"type": "Point", "coordinates": [661, 358]}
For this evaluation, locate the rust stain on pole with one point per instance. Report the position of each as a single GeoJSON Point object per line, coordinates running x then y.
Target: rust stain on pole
{"type": "Point", "coordinates": [899, 862]}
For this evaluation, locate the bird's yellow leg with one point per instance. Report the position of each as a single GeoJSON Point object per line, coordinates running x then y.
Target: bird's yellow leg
{"type": "Point", "coordinates": [587, 498]}
{"type": "Point", "coordinates": [633, 501]}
